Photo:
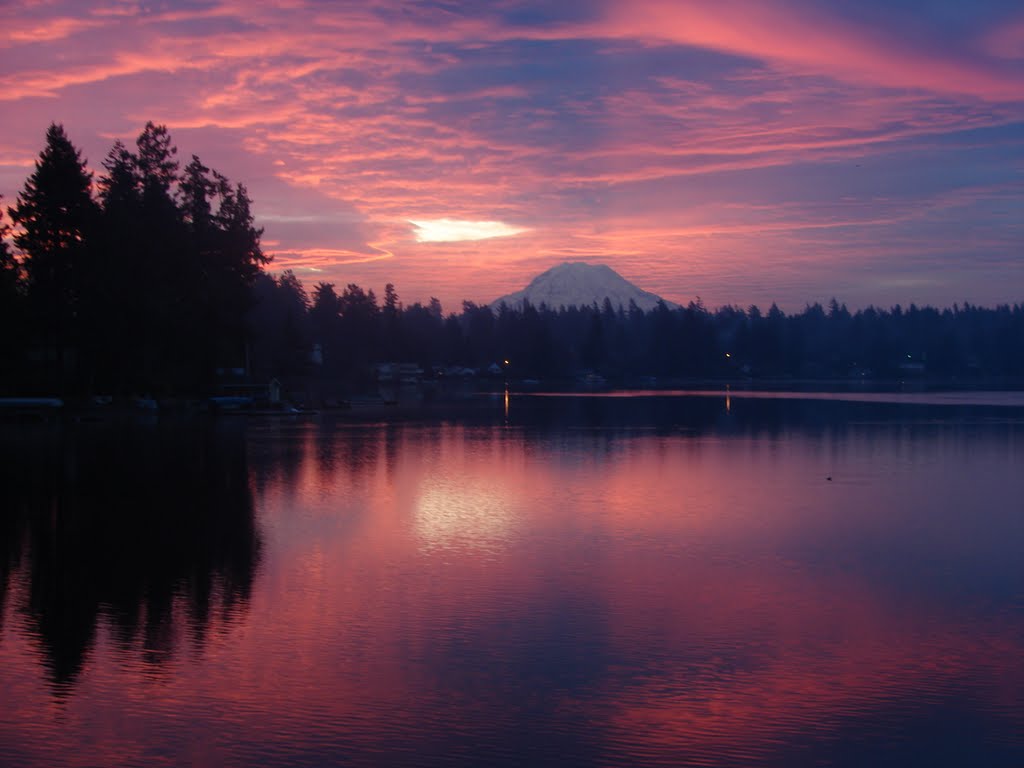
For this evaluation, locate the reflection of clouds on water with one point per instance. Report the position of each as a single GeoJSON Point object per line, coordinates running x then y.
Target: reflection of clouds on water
{"type": "Point", "coordinates": [465, 511]}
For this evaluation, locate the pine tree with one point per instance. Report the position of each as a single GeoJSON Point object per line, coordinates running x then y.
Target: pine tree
{"type": "Point", "coordinates": [161, 268]}
{"type": "Point", "coordinates": [391, 343]}
{"type": "Point", "coordinates": [57, 217]}
{"type": "Point", "coordinates": [10, 270]}
{"type": "Point", "coordinates": [325, 316]}
{"type": "Point", "coordinates": [157, 167]}
{"type": "Point", "coordinates": [121, 307]}
{"type": "Point", "coordinates": [196, 190]}
{"type": "Point", "coordinates": [11, 308]}
{"type": "Point", "coordinates": [234, 265]}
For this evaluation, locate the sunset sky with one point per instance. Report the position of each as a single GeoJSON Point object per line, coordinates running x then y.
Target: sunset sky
{"type": "Point", "coordinates": [741, 150]}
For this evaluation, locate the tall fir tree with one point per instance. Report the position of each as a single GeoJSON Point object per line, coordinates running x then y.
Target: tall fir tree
{"type": "Point", "coordinates": [167, 323]}
{"type": "Point", "coordinates": [122, 306]}
{"type": "Point", "coordinates": [158, 169]}
{"type": "Point", "coordinates": [56, 217]}
{"type": "Point", "coordinates": [232, 265]}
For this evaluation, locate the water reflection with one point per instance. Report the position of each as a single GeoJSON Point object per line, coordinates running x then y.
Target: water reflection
{"type": "Point", "coordinates": [646, 583]}
{"type": "Point", "coordinates": [670, 583]}
{"type": "Point", "coordinates": [465, 510]}
{"type": "Point", "coordinates": [155, 535]}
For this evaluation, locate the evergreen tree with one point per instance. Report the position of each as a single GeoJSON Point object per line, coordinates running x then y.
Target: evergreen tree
{"type": "Point", "coordinates": [294, 329]}
{"type": "Point", "coordinates": [325, 315]}
{"type": "Point", "coordinates": [359, 327]}
{"type": "Point", "coordinates": [121, 308]}
{"type": "Point", "coordinates": [233, 266]}
{"type": "Point", "coordinates": [11, 308]}
{"type": "Point", "coordinates": [224, 256]}
{"type": "Point", "coordinates": [196, 189]}
{"type": "Point", "coordinates": [202, 316]}
{"type": "Point", "coordinates": [57, 217]}
{"type": "Point", "coordinates": [391, 341]}
{"type": "Point", "coordinates": [119, 187]}
{"type": "Point", "coordinates": [161, 269]}
{"type": "Point", "coordinates": [10, 270]}
{"type": "Point", "coordinates": [241, 252]}
{"type": "Point", "coordinates": [158, 169]}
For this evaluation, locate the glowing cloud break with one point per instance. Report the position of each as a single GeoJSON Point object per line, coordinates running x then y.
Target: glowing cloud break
{"type": "Point", "coordinates": [453, 230]}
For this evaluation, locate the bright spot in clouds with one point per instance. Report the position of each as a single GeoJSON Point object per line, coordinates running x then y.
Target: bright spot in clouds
{"type": "Point", "coordinates": [451, 230]}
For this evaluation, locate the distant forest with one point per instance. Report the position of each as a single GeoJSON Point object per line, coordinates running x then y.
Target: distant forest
{"type": "Point", "coordinates": [151, 280]}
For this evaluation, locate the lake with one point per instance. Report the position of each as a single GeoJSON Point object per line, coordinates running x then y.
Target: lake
{"type": "Point", "coordinates": [663, 579]}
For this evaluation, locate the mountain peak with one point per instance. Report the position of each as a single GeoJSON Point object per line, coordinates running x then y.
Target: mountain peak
{"type": "Point", "coordinates": [576, 283]}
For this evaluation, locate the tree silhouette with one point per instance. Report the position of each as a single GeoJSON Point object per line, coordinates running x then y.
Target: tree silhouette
{"type": "Point", "coordinates": [391, 331]}
{"type": "Point", "coordinates": [11, 308]}
{"type": "Point", "coordinates": [159, 286]}
{"type": "Point", "coordinates": [57, 217]}
{"type": "Point", "coordinates": [325, 315]}
{"type": "Point", "coordinates": [10, 270]}
{"type": "Point", "coordinates": [120, 270]}
{"type": "Point", "coordinates": [146, 289]}
{"type": "Point", "coordinates": [223, 257]}
{"type": "Point", "coordinates": [158, 169]}
{"type": "Point", "coordinates": [279, 323]}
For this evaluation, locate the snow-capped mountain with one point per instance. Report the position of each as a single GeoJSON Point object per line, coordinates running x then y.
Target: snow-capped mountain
{"type": "Point", "coordinates": [579, 284]}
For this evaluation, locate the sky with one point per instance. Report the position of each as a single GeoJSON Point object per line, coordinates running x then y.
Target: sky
{"type": "Point", "coordinates": [740, 151]}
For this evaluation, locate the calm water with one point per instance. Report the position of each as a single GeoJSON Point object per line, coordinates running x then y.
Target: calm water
{"type": "Point", "coordinates": [593, 581]}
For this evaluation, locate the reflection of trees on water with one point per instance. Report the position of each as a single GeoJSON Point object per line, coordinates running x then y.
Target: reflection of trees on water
{"type": "Point", "coordinates": [279, 454]}
{"type": "Point", "coordinates": [711, 416]}
{"type": "Point", "coordinates": [354, 449]}
{"type": "Point", "coordinates": [152, 530]}
{"type": "Point", "coordinates": [276, 454]}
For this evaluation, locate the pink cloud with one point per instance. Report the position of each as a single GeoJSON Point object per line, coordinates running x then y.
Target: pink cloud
{"type": "Point", "coordinates": [382, 108]}
{"type": "Point", "coordinates": [808, 41]}
{"type": "Point", "coordinates": [19, 32]}
{"type": "Point", "coordinates": [1007, 40]}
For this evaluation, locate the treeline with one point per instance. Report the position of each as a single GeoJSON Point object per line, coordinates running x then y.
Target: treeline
{"type": "Point", "coordinates": [151, 280]}
{"type": "Point", "coordinates": [343, 335]}
{"type": "Point", "coordinates": [138, 283]}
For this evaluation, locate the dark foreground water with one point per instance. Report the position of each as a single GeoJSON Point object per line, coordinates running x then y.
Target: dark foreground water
{"type": "Point", "coordinates": [583, 581]}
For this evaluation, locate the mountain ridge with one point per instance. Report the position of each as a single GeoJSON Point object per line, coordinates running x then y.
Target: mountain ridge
{"type": "Point", "coordinates": [577, 283]}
